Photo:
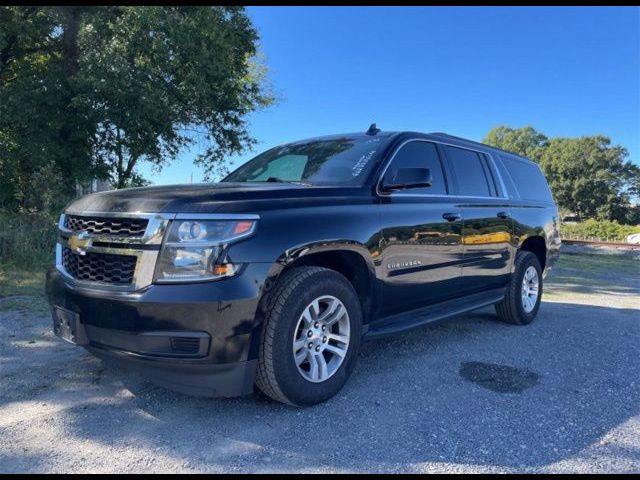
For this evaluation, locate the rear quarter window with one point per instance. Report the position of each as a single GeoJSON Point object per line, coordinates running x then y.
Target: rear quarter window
{"type": "Point", "coordinates": [527, 179]}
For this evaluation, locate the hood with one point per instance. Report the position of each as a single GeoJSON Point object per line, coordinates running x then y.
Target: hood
{"type": "Point", "coordinates": [213, 198]}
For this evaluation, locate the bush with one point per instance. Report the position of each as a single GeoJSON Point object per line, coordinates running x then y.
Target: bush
{"type": "Point", "coordinates": [598, 230]}
{"type": "Point", "coordinates": [27, 241]}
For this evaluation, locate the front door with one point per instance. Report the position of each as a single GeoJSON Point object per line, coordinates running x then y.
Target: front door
{"type": "Point", "coordinates": [420, 260]}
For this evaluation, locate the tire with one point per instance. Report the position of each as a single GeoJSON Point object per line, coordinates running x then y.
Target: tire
{"type": "Point", "coordinates": [279, 375]}
{"type": "Point", "coordinates": [512, 308]}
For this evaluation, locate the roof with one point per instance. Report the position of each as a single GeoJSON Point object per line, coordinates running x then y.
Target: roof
{"type": "Point", "coordinates": [478, 144]}
{"type": "Point", "coordinates": [434, 135]}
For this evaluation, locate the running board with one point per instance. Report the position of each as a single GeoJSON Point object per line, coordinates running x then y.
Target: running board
{"type": "Point", "coordinates": [406, 321]}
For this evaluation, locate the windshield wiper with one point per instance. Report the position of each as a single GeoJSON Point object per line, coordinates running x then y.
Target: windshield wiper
{"type": "Point", "coordinates": [280, 180]}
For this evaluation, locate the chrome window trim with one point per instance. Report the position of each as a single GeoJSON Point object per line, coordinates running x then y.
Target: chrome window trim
{"type": "Point", "coordinates": [515, 187]}
{"type": "Point", "coordinates": [379, 192]}
{"type": "Point", "coordinates": [496, 172]}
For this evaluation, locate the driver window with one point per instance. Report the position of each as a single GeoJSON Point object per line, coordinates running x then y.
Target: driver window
{"type": "Point", "coordinates": [418, 154]}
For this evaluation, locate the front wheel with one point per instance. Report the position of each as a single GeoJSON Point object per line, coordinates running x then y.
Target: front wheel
{"type": "Point", "coordinates": [311, 336]}
{"type": "Point", "coordinates": [524, 292]}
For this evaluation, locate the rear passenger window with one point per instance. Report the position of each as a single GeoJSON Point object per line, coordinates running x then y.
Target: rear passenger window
{"type": "Point", "coordinates": [418, 154]}
{"type": "Point", "coordinates": [528, 179]}
{"type": "Point", "coordinates": [469, 171]}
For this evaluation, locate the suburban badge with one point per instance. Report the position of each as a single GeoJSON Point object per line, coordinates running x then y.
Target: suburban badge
{"type": "Point", "coordinates": [412, 263]}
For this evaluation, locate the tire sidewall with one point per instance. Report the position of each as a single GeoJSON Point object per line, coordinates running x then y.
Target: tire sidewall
{"type": "Point", "coordinates": [294, 386]}
{"type": "Point", "coordinates": [529, 260]}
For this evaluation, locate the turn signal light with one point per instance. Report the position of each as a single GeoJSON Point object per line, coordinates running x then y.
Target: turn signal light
{"type": "Point", "coordinates": [224, 270]}
{"type": "Point", "coordinates": [242, 227]}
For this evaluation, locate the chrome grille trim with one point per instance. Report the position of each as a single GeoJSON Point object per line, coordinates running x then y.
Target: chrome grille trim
{"type": "Point", "coordinates": [113, 227]}
{"type": "Point", "coordinates": [145, 248]}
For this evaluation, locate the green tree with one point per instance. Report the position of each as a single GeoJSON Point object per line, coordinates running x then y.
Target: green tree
{"type": "Point", "coordinates": [93, 91]}
{"type": "Point", "coordinates": [588, 175]}
{"type": "Point", "coordinates": [41, 133]}
{"type": "Point", "coordinates": [525, 141]}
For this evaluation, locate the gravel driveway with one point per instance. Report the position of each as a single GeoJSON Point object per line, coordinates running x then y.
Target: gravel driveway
{"type": "Point", "coordinates": [470, 395]}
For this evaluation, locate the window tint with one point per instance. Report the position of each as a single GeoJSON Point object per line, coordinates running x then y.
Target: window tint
{"type": "Point", "coordinates": [289, 167]}
{"type": "Point", "coordinates": [331, 161]}
{"type": "Point", "coordinates": [469, 171]}
{"type": "Point", "coordinates": [419, 155]}
{"type": "Point", "coordinates": [528, 179]}
{"type": "Point", "coordinates": [512, 191]}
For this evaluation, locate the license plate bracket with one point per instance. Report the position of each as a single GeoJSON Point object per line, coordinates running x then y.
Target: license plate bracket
{"type": "Point", "coordinates": [67, 325]}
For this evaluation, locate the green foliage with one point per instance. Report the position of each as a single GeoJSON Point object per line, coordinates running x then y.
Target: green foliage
{"type": "Point", "coordinates": [526, 141]}
{"type": "Point", "coordinates": [599, 230]}
{"type": "Point", "coordinates": [90, 92]}
{"type": "Point", "coordinates": [590, 176]}
{"type": "Point", "coordinates": [27, 240]}
{"type": "Point", "coordinates": [587, 175]}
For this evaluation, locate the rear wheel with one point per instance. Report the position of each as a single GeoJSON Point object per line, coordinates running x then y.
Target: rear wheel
{"type": "Point", "coordinates": [311, 336]}
{"type": "Point", "coordinates": [524, 293]}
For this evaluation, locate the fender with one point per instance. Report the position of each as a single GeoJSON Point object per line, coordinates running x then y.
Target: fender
{"type": "Point", "coordinates": [298, 253]}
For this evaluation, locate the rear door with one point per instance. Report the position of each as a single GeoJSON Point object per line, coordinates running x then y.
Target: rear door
{"type": "Point", "coordinates": [488, 228]}
{"type": "Point", "coordinates": [421, 250]}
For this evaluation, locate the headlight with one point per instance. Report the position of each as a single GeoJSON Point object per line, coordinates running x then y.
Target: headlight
{"type": "Point", "coordinates": [192, 249]}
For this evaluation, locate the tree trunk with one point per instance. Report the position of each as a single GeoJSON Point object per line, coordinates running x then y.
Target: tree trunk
{"type": "Point", "coordinates": [124, 175]}
{"type": "Point", "coordinates": [70, 48]}
{"type": "Point", "coordinates": [70, 65]}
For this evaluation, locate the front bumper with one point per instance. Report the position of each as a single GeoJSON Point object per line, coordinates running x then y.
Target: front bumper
{"type": "Point", "coordinates": [199, 338]}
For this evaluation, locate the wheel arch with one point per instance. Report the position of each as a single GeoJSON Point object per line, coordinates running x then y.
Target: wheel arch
{"type": "Point", "coordinates": [537, 245]}
{"type": "Point", "coordinates": [350, 259]}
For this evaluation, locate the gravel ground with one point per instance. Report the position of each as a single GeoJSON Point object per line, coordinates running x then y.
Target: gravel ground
{"type": "Point", "coordinates": [469, 395]}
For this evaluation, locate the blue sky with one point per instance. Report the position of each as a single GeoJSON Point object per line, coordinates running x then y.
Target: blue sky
{"type": "Point", "coordinates": [565, 71]}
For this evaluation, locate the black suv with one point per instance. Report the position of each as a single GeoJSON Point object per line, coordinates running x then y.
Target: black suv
{"type": "Point", "coordinates": [274, 276]}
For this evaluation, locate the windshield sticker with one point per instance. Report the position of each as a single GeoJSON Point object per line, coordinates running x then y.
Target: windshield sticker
{"type": "Point", "coordinates": [360, 164]}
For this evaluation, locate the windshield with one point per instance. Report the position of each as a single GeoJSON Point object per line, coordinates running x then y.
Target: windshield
{"type": "Point", "coordinates": [336, 161]}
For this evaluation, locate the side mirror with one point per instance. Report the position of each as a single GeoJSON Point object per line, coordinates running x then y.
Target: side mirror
{"type": "Point", "coordinates": [406, 178]}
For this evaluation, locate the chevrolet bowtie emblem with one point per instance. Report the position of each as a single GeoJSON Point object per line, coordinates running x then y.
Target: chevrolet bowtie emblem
{"type": "Point", "coordinates": [79, 243]}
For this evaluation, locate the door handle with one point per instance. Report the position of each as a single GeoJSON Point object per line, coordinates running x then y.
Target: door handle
{"type": "Point", "coordinates": [504, 215]}
{"type": "Point", "coordinates": [452, 217]}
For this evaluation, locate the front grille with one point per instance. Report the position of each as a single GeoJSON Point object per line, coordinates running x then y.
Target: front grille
{"type": "Point", "coordinates": [117, 227]}
{"type": "Point", "coordinates": [99, 267]}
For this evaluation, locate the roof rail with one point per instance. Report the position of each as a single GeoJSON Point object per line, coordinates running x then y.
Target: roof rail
{"type": "Point", "coordinates": [473, 142]}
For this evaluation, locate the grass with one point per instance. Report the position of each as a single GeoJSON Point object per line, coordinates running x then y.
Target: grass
{"type": "Point", "coordinates": [584, 263]}
{"type": "Point", "coordinates": [583, 278]}
{"type": "Point", "coordinates": [22, 290]}
{"type": "Point", "coordinates": [27, 243]}
{"type": "Point", "coordinates": [16, 282]}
